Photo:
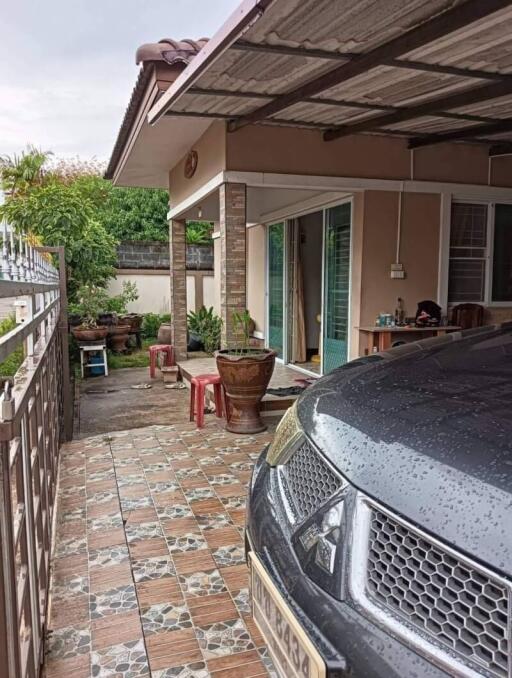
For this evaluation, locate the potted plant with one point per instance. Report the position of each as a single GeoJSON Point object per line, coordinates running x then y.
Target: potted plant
{"type": "Point", "coordinates": [90, 302]}
{"type": "Point", "coordinates": [122, 326]}
{"type": "Point", "coordinates": [195, 321]}
{"type": "Point", "coordinates": [245, 373]}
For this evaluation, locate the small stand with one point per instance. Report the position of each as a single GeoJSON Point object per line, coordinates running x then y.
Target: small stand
{"type": "Point", "coordinates": [93, 347]}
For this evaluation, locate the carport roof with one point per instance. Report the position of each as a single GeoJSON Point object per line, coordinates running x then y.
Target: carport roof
{"type": "Point", "coordinates": [430, 71]}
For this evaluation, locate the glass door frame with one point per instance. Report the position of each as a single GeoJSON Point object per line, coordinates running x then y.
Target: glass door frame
{"type": "Point", "coordinates": [288, 223]}
{"type": "Point", "coordinates": [284, 359]}
{"type": "Point", "coordinates": [338, 203]}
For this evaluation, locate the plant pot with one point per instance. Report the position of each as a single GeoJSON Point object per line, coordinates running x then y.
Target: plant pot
{"type": "Point", "coordinates": [165, 334]}
{"type": "Point", "coordinates": [132, 319]}
{"type": "Point", "coordinates": [194, 342]}
{"type": "Point", "coordinates": [106, 318]}
{"type": "Point", "coordinates": [245, 377]}
{"type": "Point", "coordinates": [89, 333]}
{"type": "Point", "coordinates": [118, 335]}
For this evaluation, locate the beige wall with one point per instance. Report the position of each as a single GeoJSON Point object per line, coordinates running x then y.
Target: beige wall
{"type": "Point", "coordinates": [154, 291]}
{"type": "Point", "coordinates": [211, 150]}
{"type": "Point", "coordinates": [216, 275]}
{"type": "Point", "coordinates": [419, 252]}
{"type": "Point", "coordinates": [256, 275]}
{"type": "Point", "coordinates": [300, 151]}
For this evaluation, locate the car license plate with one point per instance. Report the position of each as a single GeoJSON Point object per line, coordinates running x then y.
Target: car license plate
{"type": "Point", "coordinates": [293, 653]}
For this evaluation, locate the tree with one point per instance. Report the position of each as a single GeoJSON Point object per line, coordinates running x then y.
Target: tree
{"type": "Point", "coordinates": [59, 209]}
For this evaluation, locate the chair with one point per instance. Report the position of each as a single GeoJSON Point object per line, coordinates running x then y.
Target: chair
{"type": "Point", "coordinates": [468, 316]}
{"type": "Point", "coordinates": [198, 386]}
{"type": "Point", "coordinates": [154, 351]}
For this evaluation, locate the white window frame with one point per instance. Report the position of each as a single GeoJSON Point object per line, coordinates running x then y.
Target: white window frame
{"type": "Point", "coordinates": [489, 254]}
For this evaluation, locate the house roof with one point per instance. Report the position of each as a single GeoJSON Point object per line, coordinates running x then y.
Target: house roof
{"type": "Point", "coordinates": [429, 71]}
{"type": "Point", "coordinates": [165, 52]}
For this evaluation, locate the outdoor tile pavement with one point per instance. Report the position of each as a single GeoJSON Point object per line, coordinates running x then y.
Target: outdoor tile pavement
{"type": "Point", "coordinates": [148, 573]}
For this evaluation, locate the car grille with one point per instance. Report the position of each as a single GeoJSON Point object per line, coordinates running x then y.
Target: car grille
{"type": "Point", "coordinates": [445, 597]}
{"type": "Point", "coordinates": [308, 481]}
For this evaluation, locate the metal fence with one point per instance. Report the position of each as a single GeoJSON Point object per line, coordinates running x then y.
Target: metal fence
{"type": "Point", "coordinates": [35, 417]}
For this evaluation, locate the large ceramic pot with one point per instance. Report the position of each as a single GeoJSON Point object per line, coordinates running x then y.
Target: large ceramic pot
{"type": "Point", "coordinates": [132, 319]}
{"type": "Point", "coordinates": [89, 333]}
{"type": "Point", "coordinates": [245, 376]}
{"type": "Point", "coordinates": [194, 342]}
{"type": "Point", "coordinates": [107, 319]}
{"type": "Point", "coordinates": [165, 334]}
{"type": "Point", "coordinates": [118, 335]}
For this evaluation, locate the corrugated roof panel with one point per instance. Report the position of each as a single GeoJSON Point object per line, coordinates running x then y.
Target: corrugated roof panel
{"type": "Point", "coordinates": [330, 115]}
{"type": "Point", "coordinates": [494, 108]}
{"type": "Point", "coordinates": [216, 104]}
{"type": "Point", "coordinates": [341, 25]}
{"type": "Point", "coordinates": [430, 124]}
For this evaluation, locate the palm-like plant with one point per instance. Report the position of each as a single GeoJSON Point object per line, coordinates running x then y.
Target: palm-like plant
{"type": "Point", "coordinates": [19, 173]}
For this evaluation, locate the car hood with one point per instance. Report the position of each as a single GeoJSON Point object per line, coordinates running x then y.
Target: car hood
{"type": "Point", "coordinates": [426, 430]}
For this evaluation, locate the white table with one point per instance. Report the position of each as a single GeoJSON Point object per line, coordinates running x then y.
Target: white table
{"type": "Point", "coordinates": [90, 348]}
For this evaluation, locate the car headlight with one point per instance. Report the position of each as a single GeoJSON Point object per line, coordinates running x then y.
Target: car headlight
{"type": "Point", "coordinates": [288, 434]}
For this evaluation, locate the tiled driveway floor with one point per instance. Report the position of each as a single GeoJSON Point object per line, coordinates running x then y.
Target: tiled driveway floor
{"type": "Point", "coordinates": [149, 577]}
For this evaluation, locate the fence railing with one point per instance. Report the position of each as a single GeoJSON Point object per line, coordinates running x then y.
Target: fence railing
{"type": "Point", "coordinates": [35, 417]}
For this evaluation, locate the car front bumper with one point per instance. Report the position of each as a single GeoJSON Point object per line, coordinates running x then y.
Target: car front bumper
{"type": "Point", "coordinates": [349, 643]}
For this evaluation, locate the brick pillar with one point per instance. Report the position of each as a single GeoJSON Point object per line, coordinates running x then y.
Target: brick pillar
{"type": "Point", "coordinates": [232, 226]}
{"type": "Point", "coordinates": [178, 277]}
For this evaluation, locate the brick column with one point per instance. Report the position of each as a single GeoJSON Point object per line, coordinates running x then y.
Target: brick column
{"type": "Point", "coordinates": [178, 277]}
{"type": "Point", "coordinates": [232, 226]}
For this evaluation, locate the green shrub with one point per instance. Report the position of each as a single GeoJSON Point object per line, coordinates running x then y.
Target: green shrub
{"type": "Point", "coordinates": [12, 363]}
{"type": "Point", "coordinates": [151, 324]}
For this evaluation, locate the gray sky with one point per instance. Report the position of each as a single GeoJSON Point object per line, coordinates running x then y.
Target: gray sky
{"type": "Point", "coordinates": [67, 67]}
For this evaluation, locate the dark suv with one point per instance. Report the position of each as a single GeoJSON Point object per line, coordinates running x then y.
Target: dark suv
{"type": "Point", "coordinates": [379, 526]}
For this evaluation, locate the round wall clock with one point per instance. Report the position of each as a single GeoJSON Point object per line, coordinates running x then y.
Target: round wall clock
{"type": "Point", "coordinates": [191, 164]}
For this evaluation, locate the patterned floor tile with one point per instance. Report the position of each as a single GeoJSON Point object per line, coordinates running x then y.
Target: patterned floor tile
{"type": "Point", "coordinates": [163, 486]}
{"type": "Point", "coordinates": [267, 661]}
{"type": "Point", "coordinates": [198, 494]}
{"type": "Point", "coordinates": [223, 638]}
{"type": "Point", "coordinates": [101, 498]}
{"type": "Point", "coordinates": [72, 515]}
{"type": "Point", "coordinates": [225, 556]}
{"type": "Point", "coordinates": [187, 542]}
{"type": "Point", "coordinates": [114, 555]}
{"type": "Point", "coordinates": [67, 642]}
{"type": "Point", "coordinates": [234, 502]}
{"type": "Point", "coordinates": [115, 600]}
{"type": "Point", "coordinates": [165, 617]}
{"type": "Point", "coordinates": [213, 521]}
{"type": "Point", "coordinates": [175, 511]}
{"type": "Point", "coordinates": [128, 505]}
{"type": "Point", "coordinates": [196, 670]}
{"type": "Point", "coordinates": [138, 531]}
{"type": "Point", "coordinates": [70, 586]}
{"type": "Point", "coordinates": [242, 600]}
{"type": "Point", "coordinates": [152, 568]}
{"type": "Point", "coordinates": [202, 583]}
{"type": "Point", "coordinates": [107, 523]}
{"type": "Point", "coordinates": [223, 479]}
{"type": "Point", "coordinates": [66, 547]}
{"type": "Point", "coordinates": [127, 660]}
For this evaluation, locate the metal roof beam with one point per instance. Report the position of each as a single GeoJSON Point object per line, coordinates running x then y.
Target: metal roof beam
{"type": "Point", "coordinates": [504, 148]}
{"type": "Point", "coordinates": [226, 116]}
{"type": "Point", "coordinates": [434, 106]}
{"type": "Point", "coordinates": [463, 133]}
{"type": "Point", "coordinates": [427, 32]}
{"type": "Point", "coordinates": [245, 46]}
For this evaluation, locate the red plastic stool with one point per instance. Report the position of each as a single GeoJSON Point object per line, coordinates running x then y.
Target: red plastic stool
{"type": "Point", "coordinates": [197, 396]}
{"type": "Point", "coordinates": [168, 352]}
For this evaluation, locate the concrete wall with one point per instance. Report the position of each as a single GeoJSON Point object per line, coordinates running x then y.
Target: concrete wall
{"type": "Point", "coordinates": [256, 275]}
{"type": "Point", "coordinates": [211, 150]}
{"type": "Point", "coordinates": [419, 252]}
{"type": "Point", "coordinates": [144, 254]}
{"type": "Point", "coordinates": [154, 290]}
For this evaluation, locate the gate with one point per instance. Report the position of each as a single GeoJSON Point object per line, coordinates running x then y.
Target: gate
{"type": "Point", "coordinates": [35, 417]}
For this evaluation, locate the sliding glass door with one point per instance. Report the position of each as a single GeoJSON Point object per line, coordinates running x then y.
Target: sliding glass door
{"type": "Point", "coordinates": [336, 286]}
{"type": "Point", "coordinates": [276, 287]}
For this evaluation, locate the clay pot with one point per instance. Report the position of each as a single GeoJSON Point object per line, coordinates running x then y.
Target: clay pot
{"type": "Point", "coordinates": [165, 334]}
{"type": "Point", "coordinates": [89, 333]}
{"type": "Point", "coordinates": [118, 335]}
{"type": "Point", "coordinates": [106, 319]}
{"type": "Point", "coordinates": [245, 377]}
{"type": "Point", "coordinates": [132, 319]}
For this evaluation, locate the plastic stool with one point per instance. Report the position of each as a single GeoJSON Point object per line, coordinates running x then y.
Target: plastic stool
{"type": "Point", "coordinates": [197, 396]}
{"type": "Point", "coordinates": [168, 352]}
